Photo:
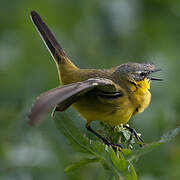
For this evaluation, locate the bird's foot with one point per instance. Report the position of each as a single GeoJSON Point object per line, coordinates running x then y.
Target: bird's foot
{"type": "Point", "coordinates": [105, 141]}
{"type": "Point", "coordinates": [137, 136]}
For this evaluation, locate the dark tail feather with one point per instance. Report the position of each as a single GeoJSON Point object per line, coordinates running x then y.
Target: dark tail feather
{"type": "Point", "coordinates": [50, 41]}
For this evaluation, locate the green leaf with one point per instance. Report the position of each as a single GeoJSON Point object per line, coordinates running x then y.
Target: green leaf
{"type": "Point", "coordinates": [118, 163]}
{"type": "Point", "coordinates": [120, 168]}
{"type": "Point", "coordinates": [124, 166]}
{"type": "Point", "coordinates": [170, 135]}
{"type": "Point", "coordinates": [112, 178]}
{"type": "Point", "coordinates": [76, 138]}
{"type": "Point", "coordinates": [145, 149]}
{"type": "Point", "coordinates": [132, 173]}
{"type": "Point", "coordinates": [167, 137]}
{"type": "Point", "coordinates": [81, 163]}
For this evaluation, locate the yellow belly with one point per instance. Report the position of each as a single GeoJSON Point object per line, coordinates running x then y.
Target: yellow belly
{"type": "Point", "coordinates": [113, 112]}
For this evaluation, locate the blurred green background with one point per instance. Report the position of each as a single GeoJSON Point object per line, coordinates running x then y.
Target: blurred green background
{"type": "Point", "coordinates": [95, 34]}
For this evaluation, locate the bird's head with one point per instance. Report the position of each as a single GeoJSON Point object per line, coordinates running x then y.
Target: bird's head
{"type": "Point", "coordinates": [136, 72]}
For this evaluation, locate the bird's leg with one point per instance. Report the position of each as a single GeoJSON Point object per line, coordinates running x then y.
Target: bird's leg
{"type": "Point", "coordinates": [105, 141]}
{"type": "Point", "coordinates": [133, 132]}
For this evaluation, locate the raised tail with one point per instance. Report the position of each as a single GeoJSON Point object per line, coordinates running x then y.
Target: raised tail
{"type": "Point", "coordinates": [50, 41]}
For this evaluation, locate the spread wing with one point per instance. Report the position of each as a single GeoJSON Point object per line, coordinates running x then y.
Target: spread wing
{"type": "Point", "coordinates": [64, 96]}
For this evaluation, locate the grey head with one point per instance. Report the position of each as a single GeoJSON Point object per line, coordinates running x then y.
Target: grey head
{"type": "Point", "coordinates": [136, 71]}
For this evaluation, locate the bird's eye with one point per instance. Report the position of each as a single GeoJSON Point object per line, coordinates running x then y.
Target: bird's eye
{"type": "Point", "coordinates": [142, 74]}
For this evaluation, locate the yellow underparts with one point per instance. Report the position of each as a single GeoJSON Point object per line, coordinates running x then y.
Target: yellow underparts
{"type": "Point", "coordinates": [114, 111]}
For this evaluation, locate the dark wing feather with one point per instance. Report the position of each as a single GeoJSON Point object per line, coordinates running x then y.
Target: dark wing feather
{"type": "Point", "coordinates": [64, 96]}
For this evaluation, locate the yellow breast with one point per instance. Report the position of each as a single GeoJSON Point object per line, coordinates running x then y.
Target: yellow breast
{"type": "Point", "coordinates": [141, 96]}
{"type": "Point", "coordinates": [114, 111]}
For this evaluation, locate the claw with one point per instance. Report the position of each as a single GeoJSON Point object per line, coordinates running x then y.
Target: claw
{"type": "Point", "coordinates": [133, 131]}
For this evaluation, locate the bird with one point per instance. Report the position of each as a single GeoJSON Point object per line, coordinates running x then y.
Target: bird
{"type": "Point", "coordinates": [110, 96]}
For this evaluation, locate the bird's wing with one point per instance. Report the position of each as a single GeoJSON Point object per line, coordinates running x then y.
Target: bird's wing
{"type": "Point", "coordinates": [64, 96]}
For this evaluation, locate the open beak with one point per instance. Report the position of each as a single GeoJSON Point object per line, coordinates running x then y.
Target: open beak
{"type": "Point", "coordinates": [155, 79]}
{"type": "Point", "coordinates": [152, 78]}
